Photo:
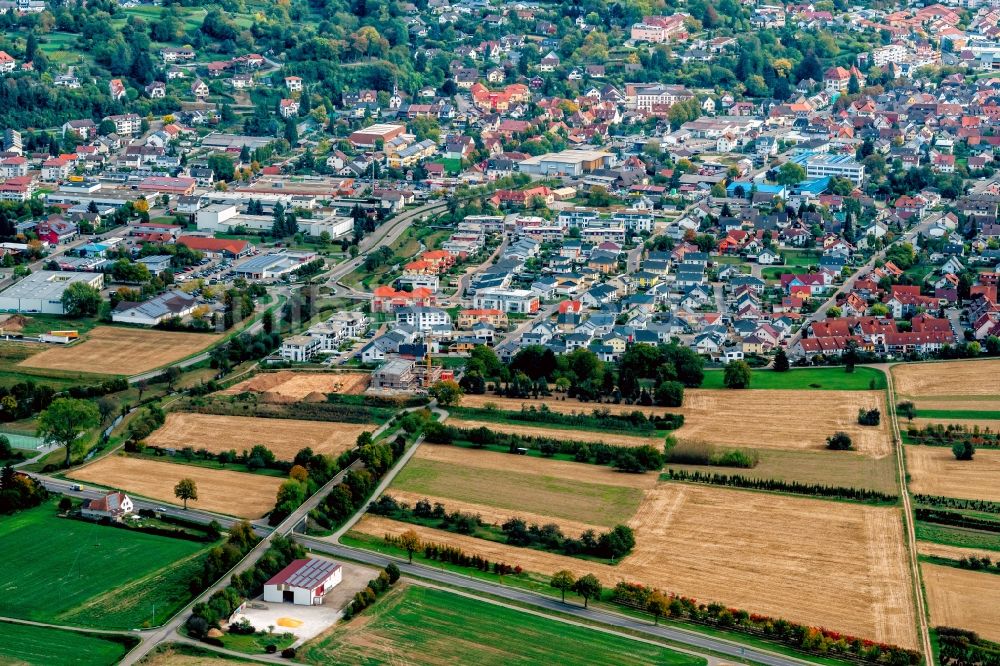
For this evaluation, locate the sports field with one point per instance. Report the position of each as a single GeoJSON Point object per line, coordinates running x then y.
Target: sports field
{"type": "Point", "coordinates": [25, 644]}
{"type": "Point", "coordinates": [62, 570]}
{"type": "Point", "coordinates": [222, 491]}
{"type": "Point", "coordinates": [963, 598]}
{"type": "Point", "coordinates": [284, 437]}
{"type": "Point", "coordinates": [121, 351]}
{"type": "Point", "coordinates": [417, 625]}
{"type": "Point", "coordinates": [933, 470]}
{"type": "Point", "coordinates": [286, 385]}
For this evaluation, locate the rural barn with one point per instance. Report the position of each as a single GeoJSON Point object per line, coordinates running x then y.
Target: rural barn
{"type": "Point", "coordinates": [304, 582]}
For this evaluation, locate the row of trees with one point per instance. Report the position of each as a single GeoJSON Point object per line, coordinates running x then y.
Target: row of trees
{"type": "Point", "coordinates": [775, 485]}
{"type": "Point", "coordinates": [937, 434]}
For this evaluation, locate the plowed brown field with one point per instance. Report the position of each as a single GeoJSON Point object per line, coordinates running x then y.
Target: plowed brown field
{"type": "Point", "coordinates": [121, 351]}
{"type": "Point", "coordinates": [285, 437]}
{"type": "Point", "coordinates": [569, 434]}
{"type": "Point", "coordinates": [964, 599]}
{"type": "Point", "coordinates": [219, 490]}
{"type": "Point", "coordinates": [934, 471]}
{"type": "Point", "coordinates": [286, 385]}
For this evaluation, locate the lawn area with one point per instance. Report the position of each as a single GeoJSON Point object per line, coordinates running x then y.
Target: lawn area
{"type": "Point", "coordinates": [949, 414]}
{"type": "Point", "coordinates": [24, 644]}
{"type": "Point", "coordinates": [800, 379]}
{"type": "Point", "coordinates": [257, 643]}
{"type": "Point", "coordinates": [452, 165]}
{"type": "Point", "coordinates": [831, 468]}
{"type": "Point", "coordinates": [956, 536]}
{"type": "Point", "coordinates": [64, 570]}
{"type": "Point", "coordinates": [427, 626]}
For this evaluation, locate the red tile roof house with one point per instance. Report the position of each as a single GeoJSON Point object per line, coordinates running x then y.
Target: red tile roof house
{"type": "Point", "coordinates": [816, 283]}
{"type": "Point", "coordinates": [56, 230]}
{"type": "Point", "coordinates": [218, 246]}
{"type": "Point", "coordinates": [387, 299]}
{"type": "Point", "coordinates": [304, 582]}
{"type": "Point", "coordinates": [113, 506]}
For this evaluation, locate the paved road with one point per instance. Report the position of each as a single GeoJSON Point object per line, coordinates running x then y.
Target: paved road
{"type": "Point", "coordinates": [681, 636]}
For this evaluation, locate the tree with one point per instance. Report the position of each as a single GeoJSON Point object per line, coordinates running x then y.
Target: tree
{"type": "Point", "coordinates": [410, 541]}
{"type": "Point", "coordinates": [65, 420]}
{"type": "Point", "coordinates": [907, 409]}
{"type": "Point", "coordinates": [963, 450]}
{"type": "Point", "coordinates": [80, 299]}
{"type": "Point", "coordinates": [588, 586]}
{"type": "Point", "coordinates": [791, 173]}
{"type": "Point", "coordinates": [222, 166]}
{"type": "Point", "coordinates": [447, 392]}
{"type": "Point", "coordinates": [562, 581]}
{"type": "Point", "coordinates": [670, 394]}
{"type": "Point", "coordinates": [658, 605]}
{"type": "Point", "coordinates": [781, 361]}
{"type": "Point", "coordinates": [839, 441]}
{"type": "Point", "coordinates": [737, 375]}
{"type": "Point", "coordinates": [186, 489]}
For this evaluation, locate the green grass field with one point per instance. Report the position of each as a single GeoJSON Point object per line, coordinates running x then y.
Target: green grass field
{"type": "Point", "coordinates": [63, 570]}
{"type": "Point", "coordinates": [956, 536]}
{"type": "Point", "coordinates": [832, 468]}
{"type": "Point", "coordinates": [949, 414]}
{"type": "Point", "coordinates": [592, 503]}
{"type": "Point", "coordinates": [24, 644]}
{"type": "Point", "coordinates": [801, 379]}
{"type": "Point", "coordinates": [427, 626]}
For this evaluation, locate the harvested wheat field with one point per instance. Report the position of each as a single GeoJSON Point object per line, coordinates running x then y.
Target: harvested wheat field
{"type": "Point", "coordinates": [782, 419]}
{"type": "Point", "coordinates": [953, 552]}
{"type": "Point", "coordinates": [491, 514]}
{"type": "Point", "coordinates": [955, 403]}
{"type": "Point", "coordinates": [219, 490]}
{"type": "Point", "coordinates": [171, 656]}
{"type": "Point", "coordinates": [949, 378]}
{"type": "Point", "coordinates": [933, 470]}
{"type": "Point", "coordinates": [557, 404]}
{"type": "Point", "coordinates": [289, 386]}
{"type": "Point", "coordinates": [570, 434]}
{"type": "Point", "coordinates": [964, 599]}
{"type": "Point", "coordinates": [837, 565]}
{"type": "Point", "coordinates": [285, 437]}
{"type": "Point", "coordinates": [122, 351]}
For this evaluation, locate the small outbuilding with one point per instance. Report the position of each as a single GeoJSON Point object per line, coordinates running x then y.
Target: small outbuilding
{"type": "Point", "coordinates": [304, 582]}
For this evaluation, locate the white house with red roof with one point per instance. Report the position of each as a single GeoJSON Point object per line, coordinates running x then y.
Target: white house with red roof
{"type": "Point", "coordinates": [288, 107]}
{"type": "Point", "coordinates": [12, 167]}
{"type": "Point", "coordinates": [117, 89]}
{"type": "Point", "coordinates": [6, 63]}
{"type": "Point", "coordinates": [114, 506]}
{"type": "Point", "coordinates": [304, 582]}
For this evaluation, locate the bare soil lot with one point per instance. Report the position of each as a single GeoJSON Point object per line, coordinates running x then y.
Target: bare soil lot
{"type": "Point", "coordinates": [570, 434]}
{"type": "Point", "coordinates": [289, 386]}
{"type": "Point", "coordinates": [121, 351]}
{"type": "Point", "coordinates": [758, 418]}
{"type": "Point", "coordinates": [285, 437]}
{"type": "Point", "coordinates": [964, 599]}
{"type": "Point", "coordinates": [934, 471]}
{"type": "Point", "coordinates": [222, 491]}
{"type": "Point", "coordinates": [947, 379]}
{"type": "Point", "coordinates": [837, 565]}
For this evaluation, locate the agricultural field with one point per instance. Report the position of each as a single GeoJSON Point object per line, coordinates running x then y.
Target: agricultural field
{"type": "Point", "coordinates": [61, 570]}
{"type": "Point", "coordinates": [800, 420]}
{"type": "Point", "coordinates": [576, 434]}
{"type": "Point", "coordinates": [416, 625]}
{"type": "Point", "coordinates": [557, 404]}
{"type": "Point", "coordinates": [284, 437]}
{"type": "Point", "coordinates": [575, 492]}
{"type": "Point", "coordinates": [933, 470]}
{"type": "Point", "coordinates": [952, 552]}
{"type": "Point", "coordinates": [289, 386]}
{"type": "Point", "coordinates": [121, 351]}
{"type": "Point", "coordinates": [984, 424]}
{"type": "Point", "coordinates": [952, 378]}
{"type": "Point", "coordinates": [745, 549]}
{"type": "Point", "coordinates": [803, 379]}
{"type": "Point", "coordinates": [222, 491]}
{"type": "Point", "coordinates": [845, 469]}
{"type": "Point", "coordinates": [182, 654]}
{"type": "Point", "coordinates": [963, 598]}
{"type": "Point", "coordinates": [25, 644]}
{"type": "Point", "coordinates": [12, 354]}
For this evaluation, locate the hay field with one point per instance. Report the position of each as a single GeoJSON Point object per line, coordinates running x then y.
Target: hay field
{"type": "Point", "coordinates": [572, 434]}
{"type": "Point", "coordinates": [491, 514]}
{"type": "Point", "coordinates": [972, 378]}
{"type": "Point", "coordinates": [777, 419]}
{"type": "Point", "coordinates": [121, 351]}
{"type": "Point", "coordinates": [285, 437]}
{"type": "Point", "coordinates": [289, 386]}
{"type": "Point", "coordinates": [963, 598]}
{"type": "Point", "coordinates": [782, 419]}
{"type": "Point", "coordinates": [222, 491]}
{"type": "Point", "coordinates": [934, 471]}
{"type": "Point", "coordinates": [837, 565]}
